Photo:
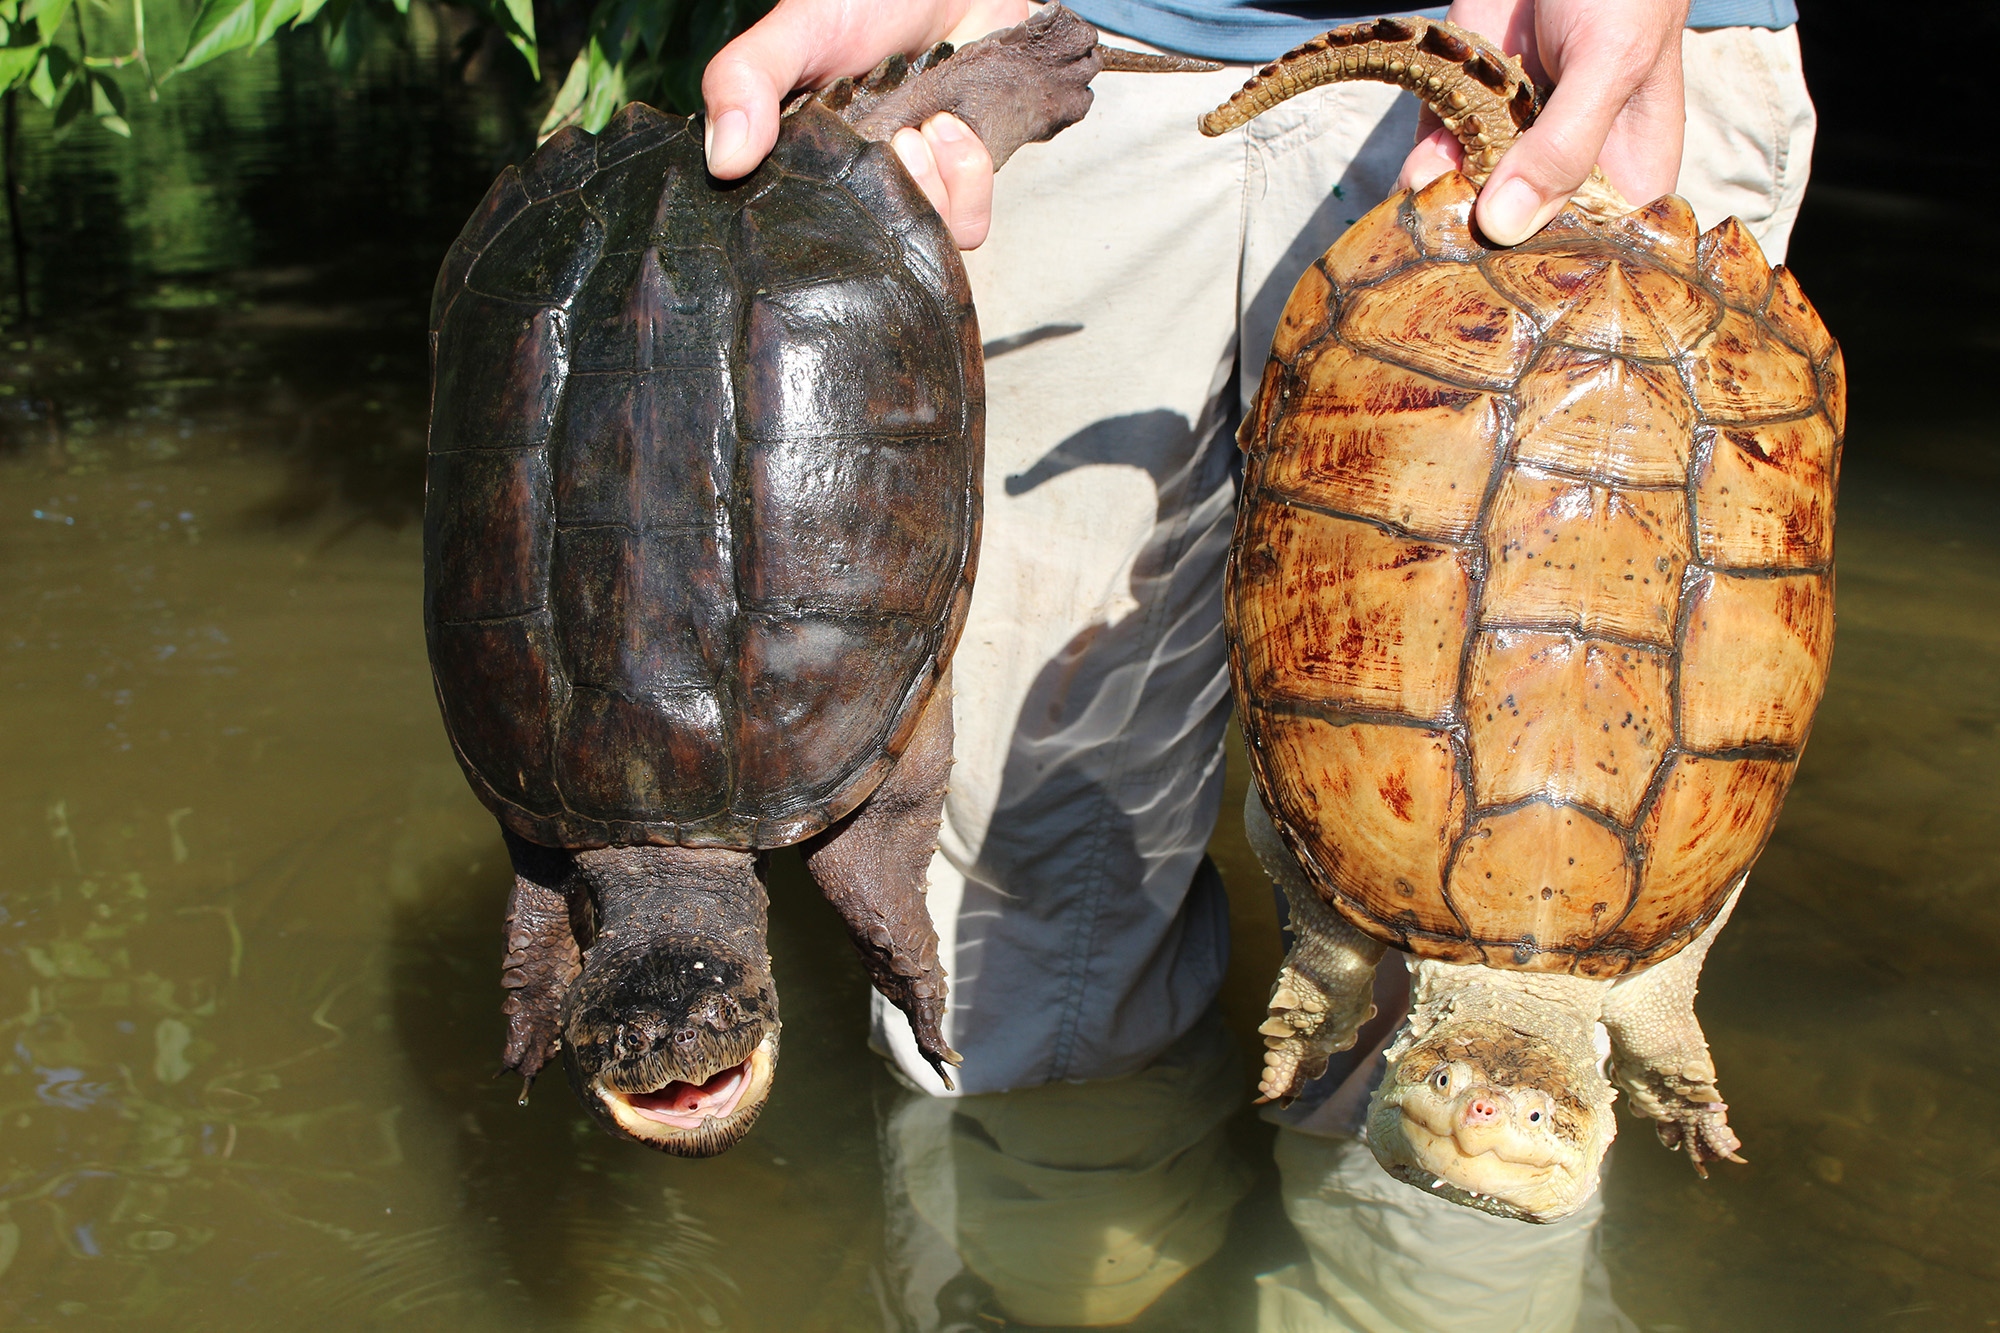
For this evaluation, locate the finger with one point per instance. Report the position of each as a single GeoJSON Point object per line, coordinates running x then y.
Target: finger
{"type": "Point", "coordinates": [966, 170]}
{"type": "Point", "coordinates": [1435, 154]}
{"type": "Point", "coordinates": [916, 156]}
{"type": "Point", "coordinates": [742, 87]}
{"type": "Point", "coordinates": [1555, 154]}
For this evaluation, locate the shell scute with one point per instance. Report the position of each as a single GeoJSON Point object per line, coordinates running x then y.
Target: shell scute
{"type": "Point", "coordinates": [1339, 613]}
{"type": "Point", "coordinates": [1542, 878]}
{"type": "Point", "coordinates": [1563, 552]}
{"type": "Point", "coordinates": [1710, 820]}
{"type": "Point", "coordinates": [1394, 791]}
{"type": "Point", "coordinates": [638, 611]}
{"type": "Point", "coordinates": [1732, 263]}
{"type": "Point", "coordinates": [491, 732]}
{"type": "Point", "coordinates": [1568, 719]}
{"type": "Point", "coordinates": [1308, 314]}
{"type": "Point", "coordinates": [1445, 320]}
{"type": "Point", "coordinates": [1364, 437]}
{"type": "Point", "coordinates": [1605, 416]}
{"type": "Point", "coordinates": [1764, 495]}
{"type": "Point", "coordinates": [1665, 228]}
{"type": "Point", "coordinates": [1441, 218]}
{"type": "Point", "coordinates": [617, 753]}
{"type": "Point", "coordinates": [1755, 661]}
{"type": "Point", "coordinates": [1744, 374]}
{"type": "Point", "coordinates": [486, 529]}
{"type": "Point", "coordinates": [1374, 247]}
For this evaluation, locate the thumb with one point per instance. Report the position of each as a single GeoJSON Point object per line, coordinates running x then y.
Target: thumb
{"type": "Point", "coordinates": [742, 88]}
{"type": "Point", "coordinates": [1605, 90]}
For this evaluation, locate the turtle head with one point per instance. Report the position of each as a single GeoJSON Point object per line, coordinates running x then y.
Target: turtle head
{"type": "Point", "coordinates": [670, 1031]}
{"type": "Point", "coordinates": [1494, 1118]}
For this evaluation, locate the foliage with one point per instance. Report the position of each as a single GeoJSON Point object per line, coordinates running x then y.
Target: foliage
{"type": "Point", "coordinates": [632, 49]}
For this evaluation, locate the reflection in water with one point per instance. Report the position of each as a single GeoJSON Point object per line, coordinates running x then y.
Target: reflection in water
{"type": "Point", "coordinates": [250, 920]}
{"type": "Point", "coordinates": [1063, 1204]}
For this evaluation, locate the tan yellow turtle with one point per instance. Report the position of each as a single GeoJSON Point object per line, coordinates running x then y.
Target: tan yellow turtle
{"type": "Point", "coordinates": [1530, 607]}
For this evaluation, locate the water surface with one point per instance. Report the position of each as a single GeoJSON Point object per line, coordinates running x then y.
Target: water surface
{"type": "Point", "coordinates": [249, 930]}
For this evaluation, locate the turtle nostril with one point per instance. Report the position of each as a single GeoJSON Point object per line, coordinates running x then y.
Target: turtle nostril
{"type": "Point", "coordinates": [1482, 1109]}
{"type": "Point", "coordinates": [686, 1037]}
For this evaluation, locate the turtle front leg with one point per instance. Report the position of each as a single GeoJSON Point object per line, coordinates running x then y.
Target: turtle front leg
{"type": "Point", "coordinates": [1325, 989]}
{"type": "Point", "coordinates": [873, 866]}
{"type": "Point", "coordinates": [1660, 1057]}
{"type": "Point", "coordinates": [542, 956]}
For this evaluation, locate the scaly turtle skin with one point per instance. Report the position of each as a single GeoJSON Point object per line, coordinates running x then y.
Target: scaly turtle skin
{"type": "Point", "coordinates": [1530, 607]}
{"type": "Point", "coordinates": [702, 514]}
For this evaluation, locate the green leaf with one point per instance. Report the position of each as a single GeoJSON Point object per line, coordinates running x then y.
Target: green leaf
{"type": "Point", "coordinates": [521, 32]}
{"type": "Point", "coordinates": [48, 13]}
{"type": "Point", "coordinates": [50, 76]}
{"type": "Point", "coordinates": [273, 15]}
{"type": "Point", "coordinates": [569, 98]}
{"type": "Point", "coordinates": [106, 97]}
{"type": "Point", "coordinates": [219, 27]}
{"type": "Point", "coordinates": [17, 63]}
{"type": "Point", "coordinates": [344, 29]}
{"type": "Point", "coordinates": [308, 11]}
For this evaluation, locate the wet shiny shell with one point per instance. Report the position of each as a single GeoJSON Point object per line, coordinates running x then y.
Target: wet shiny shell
{"type": "Point", "coordinates": [703, 495]}
{"type": "Point", "coordinates": [1532, 593]}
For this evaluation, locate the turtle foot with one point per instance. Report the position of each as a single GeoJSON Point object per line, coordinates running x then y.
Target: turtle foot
{"type": "Point", "coordinates": [1702, 1128]}
{"type": "Point", "coordinates": [1305, 1027]}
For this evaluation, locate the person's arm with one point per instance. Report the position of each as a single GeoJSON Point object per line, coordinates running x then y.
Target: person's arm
{"type": "Point", "coordinates": [1618, 104]}
{"type": "Point", "coordinates": [810, 43]}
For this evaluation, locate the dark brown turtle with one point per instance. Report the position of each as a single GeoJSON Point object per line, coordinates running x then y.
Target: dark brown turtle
{"type": "Point", "coordinates": [702, 513]}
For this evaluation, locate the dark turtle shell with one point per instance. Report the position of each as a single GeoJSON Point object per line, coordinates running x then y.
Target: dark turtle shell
{"type": "Point", "coordinates": [703, 496]}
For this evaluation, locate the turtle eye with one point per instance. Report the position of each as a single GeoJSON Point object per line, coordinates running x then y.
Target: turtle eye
{"type": "Point", "coordinates": [1442, 1079]}
{"type": "Point", "coordinates": [1534, 1117]}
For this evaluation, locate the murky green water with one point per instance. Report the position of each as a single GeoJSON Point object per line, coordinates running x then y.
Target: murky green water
{"type": "Point", "coordinates": [249, 925]}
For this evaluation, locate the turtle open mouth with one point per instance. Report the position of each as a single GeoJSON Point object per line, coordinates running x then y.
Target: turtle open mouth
{"type": "Point", "coordinates": [696, 1116]}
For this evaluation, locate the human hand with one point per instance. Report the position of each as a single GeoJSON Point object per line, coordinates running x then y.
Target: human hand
{"type": "Point", "coordinates": [1618, 104]}
{"type": "Point", "coordinates": [810, 43]}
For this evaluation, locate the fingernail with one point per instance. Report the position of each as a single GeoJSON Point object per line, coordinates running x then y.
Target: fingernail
{"type": "Point", "coordinates": [946, 127]}
{"type": "Point", "coordinates": [724, 136]}
{"type": "Point", "coordinates": [1509, 217]}
{"type": "Point", "coordinates": [909, 146]}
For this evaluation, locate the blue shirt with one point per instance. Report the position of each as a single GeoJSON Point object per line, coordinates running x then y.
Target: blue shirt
{"type": "Point", "coordinates": [1254, 31]}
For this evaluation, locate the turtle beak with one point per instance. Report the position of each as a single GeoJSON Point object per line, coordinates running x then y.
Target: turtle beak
{"type": "Point", "coordinates": [673, 1044]}
{"type": "Point", "coordinates": [688, 1118]}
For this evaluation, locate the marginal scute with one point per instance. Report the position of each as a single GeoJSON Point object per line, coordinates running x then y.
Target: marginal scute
{"type": "Point", "coordinates": [1547, 877]}
{"type": "Point", "coordinates": [1755, 660]}
{"type": "Point", "coordinates": [1375, 807]}
{"type": "Point", "coordinates": [1764, 496]}
{"type": "Point", "coordinates": [1569, 719]}
{"type": "Point", "coordinates": [1619, 420]}
{"type": "Point", "coordinates": [1605, 560]}
{"type": "Point", "coordinates": [1307, 314]}
{"type": "Point", "coordinates": [1441, 217]}
{"type": "Point", "coordinates": [1364, 437]}
{"type": "Point", "coordinates": [1833, 388]}
{"type": "Point", "coordinates": [1336, 612]}
{"type": "Point", "coordinates": [1733, 264]}
{"type": "Point", "coordinates": [1793, 316]}
{"type": "Point", "coordinates": [1444, 320]}
{"type": "Point", "coordinates": [1666, 227]}
{"type": "Point", "coordinates": [1743, 374]}
{"type": "Point", "coordinates": [1373, 247]}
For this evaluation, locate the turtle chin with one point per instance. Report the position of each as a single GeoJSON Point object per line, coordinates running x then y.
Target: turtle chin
{"type": "Point", "coordinates": [1491, 1118]}
{"type": "Point", "coordinates": [673, 1046]}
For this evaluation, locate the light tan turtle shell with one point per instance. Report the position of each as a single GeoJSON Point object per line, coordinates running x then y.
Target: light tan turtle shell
{"type": "Point", "coordinates": [1531, 599]}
